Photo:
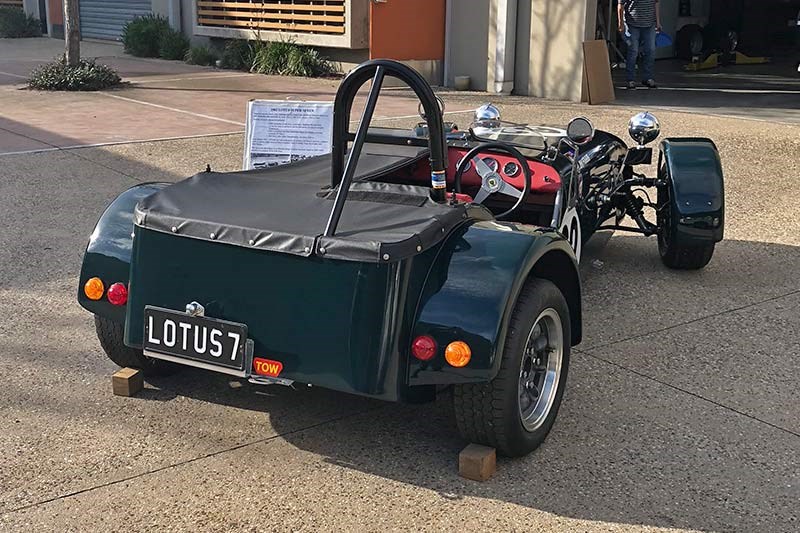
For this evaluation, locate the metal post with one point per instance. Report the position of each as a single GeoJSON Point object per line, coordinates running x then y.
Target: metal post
{"type": "Point", "coordinates": [355, 152]}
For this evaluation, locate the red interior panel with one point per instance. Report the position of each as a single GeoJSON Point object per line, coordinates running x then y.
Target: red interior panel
{"type": "Point", "coordinates": [544, 178]}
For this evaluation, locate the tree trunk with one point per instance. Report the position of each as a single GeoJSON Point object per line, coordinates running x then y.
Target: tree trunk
{"type": "Point", "coordinates": [72, 33]}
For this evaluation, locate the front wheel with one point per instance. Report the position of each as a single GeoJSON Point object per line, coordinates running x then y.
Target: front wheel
{"type": "Point", "coordinates": [675, 254]}
{"type": "Point", "coordinates": [515, 411]}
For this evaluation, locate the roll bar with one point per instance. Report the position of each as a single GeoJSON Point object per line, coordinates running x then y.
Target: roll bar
{"type": "Point", "coordinates": [344, 164]}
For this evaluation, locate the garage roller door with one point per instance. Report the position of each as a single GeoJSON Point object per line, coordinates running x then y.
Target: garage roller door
{"type": "Point", "coordinates": [104, 19]}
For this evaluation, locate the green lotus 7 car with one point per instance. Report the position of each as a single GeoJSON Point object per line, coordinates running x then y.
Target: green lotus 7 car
{"type": "Point", "coordinates": [399, 264]}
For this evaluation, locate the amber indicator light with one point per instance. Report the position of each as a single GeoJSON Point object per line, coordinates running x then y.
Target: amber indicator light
{"type": "Point", "coordinates": [94, 288]}
{"type": "Point", "coordinates": [458, 354]}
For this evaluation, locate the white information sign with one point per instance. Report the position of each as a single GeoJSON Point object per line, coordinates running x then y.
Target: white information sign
{"type": "Point", "coordinates": [283, 131]}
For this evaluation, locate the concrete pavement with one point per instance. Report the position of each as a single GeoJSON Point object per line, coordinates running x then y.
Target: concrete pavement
{"type": "Point", "coordinates": [160, 99]}
{"type": "Point", "coordinates": [681, 410]}
{"type": "Point", "coordinates": [768, 92]}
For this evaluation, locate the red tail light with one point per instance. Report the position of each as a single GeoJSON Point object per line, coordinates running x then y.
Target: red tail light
{"type": "Point", "coordinates": [423, 347]}
{"type": "Point", "coordinates": [118, 294]}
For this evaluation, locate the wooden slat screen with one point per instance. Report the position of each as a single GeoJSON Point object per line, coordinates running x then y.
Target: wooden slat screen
{"type": "Point", "coordinates": [301, 16]}
{"type": "Point", "coordinates": [11, 3]}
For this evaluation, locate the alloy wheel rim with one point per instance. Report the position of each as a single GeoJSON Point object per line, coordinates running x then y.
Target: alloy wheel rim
{"type": "Point", "coordinates": [540, 370]}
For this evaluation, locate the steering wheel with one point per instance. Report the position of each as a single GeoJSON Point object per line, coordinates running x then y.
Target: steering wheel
{"type": "Point", "coordinates": [492, 182]}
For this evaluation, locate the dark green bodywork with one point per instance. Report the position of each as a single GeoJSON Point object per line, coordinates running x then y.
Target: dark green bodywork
{"type": "Point", "coordinates": [693, 171]}
{"type": "Point", "coordinates": [329, 322]}
{"type": "Point", "coordinates": [108, 254]}
{"type": "Point", "coordinates": [343, 325]}
{"type": "Point", "coordinates": [471, 290]}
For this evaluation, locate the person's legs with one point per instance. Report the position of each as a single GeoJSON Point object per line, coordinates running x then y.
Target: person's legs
{"type": "Point", "coordinates": [648, 41]}
{"type": "Point", "coordinates": [632, 40]}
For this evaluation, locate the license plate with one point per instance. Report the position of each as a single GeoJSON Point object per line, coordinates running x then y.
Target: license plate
{"type": "Point", "coordinates": [194, 340]}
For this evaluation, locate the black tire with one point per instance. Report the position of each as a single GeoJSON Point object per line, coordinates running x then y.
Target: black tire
{"type": "Point", "coordinates": [490, 413]}
{"type": "Point", "coordinates": [110, 335]}
{"type": "Point", "coordinates": [690, 42]}
{"type": "Point", "coordinates": [686, 257]}
{"type": "Point", "coordinates": [673, 254]}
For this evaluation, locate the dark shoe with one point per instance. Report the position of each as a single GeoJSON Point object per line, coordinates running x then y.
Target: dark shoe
{"type": "Point", "coordinates": [631, 85]}
{"type": "Point", "coordinates": [650, 84]}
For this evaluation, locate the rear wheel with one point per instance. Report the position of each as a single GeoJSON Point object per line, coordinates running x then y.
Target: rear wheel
{"type": "Point", "coordinates": [110, 335]}
{"type": "Point", "coordinates": [515, 411]}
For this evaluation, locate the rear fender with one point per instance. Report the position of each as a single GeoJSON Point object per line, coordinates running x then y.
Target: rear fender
{"type": "Point", "coordinates": [693, 172]}
{"type": "Point", "coordinates": [108, 254]}
{"type": "Point", "coordinates": [471, 290]}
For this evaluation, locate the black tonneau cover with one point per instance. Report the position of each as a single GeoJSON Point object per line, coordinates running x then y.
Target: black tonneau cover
{"type": "Point", "coordinates": [376, 160]}
{"type": "Point", "coordinates": [285, 209]}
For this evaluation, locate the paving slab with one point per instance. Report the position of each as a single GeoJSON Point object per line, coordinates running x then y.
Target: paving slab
{"type": "Point", "coordinates": [744, 359]}
{"type": "Point", "coordinates": [632, 455]}
{"type": "Point", "coordinates": [44, 48]}
{"type": "Point", "coordinates": [17, 142]}
{"type": "Point", "coordinates": [164, 107]}
{"type": "Point", "coordinates": [72, 119]}
{"type": "Point", "coordinates": [651, 297]}
{"type": "Point", "coordinates": [112, 438]}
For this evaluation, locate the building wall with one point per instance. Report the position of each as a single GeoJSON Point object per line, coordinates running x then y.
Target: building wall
{"type": "Point", "coordinates": [530, 47]}
{"type": "Point", "coordinates": [550, 36]}
{"type": "Point", "coordinates": [170, 10]}
{"type": "Point", "coordinates": [468, 50]}
{"type": "Point", "coordinates": [31, 7]}
{"type": "Point", "coordinates": [502, 46]}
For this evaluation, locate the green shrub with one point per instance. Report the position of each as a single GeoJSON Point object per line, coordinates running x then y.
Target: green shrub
{"type": "Point", "coordinates": [271, 57]}
{"type": "Point", "coordinates": [200, 55]}
{"type": "Point", "coordinates": [173, 45]}
{"type": "Point", "coordinates": [308, 62]}
{"type": "Point", "coordinates": [238, 54]}
{"type": "Point", "coordinates": [14, 22]}
{"type": "Point", "coordinates": [142, 36]}
{"type": "Point", "coordinates": [289, 59]}
{"type": "Point", "coordinates": [86, 76]}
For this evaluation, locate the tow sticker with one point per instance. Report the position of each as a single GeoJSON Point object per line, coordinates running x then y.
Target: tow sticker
{"type": "Point", "coordinates": [267, 367]}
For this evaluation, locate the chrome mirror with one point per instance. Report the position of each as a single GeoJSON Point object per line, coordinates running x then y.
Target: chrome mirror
{"type": "Point", "coordinates": [487, 116]}
{"type": "Point", "coordinates": [580, 130]}
{"type": "Point", "coordinates": [644, 128]}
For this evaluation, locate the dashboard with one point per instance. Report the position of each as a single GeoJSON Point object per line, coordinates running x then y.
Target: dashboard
{"type": "Point", "coordinates": [544, 178]}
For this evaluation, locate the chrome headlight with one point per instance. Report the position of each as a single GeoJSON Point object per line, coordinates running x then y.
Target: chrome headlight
{"type": "Point", "coordinates": [487, 116]}
{"type": "Point", "coordinates": [644, 128]}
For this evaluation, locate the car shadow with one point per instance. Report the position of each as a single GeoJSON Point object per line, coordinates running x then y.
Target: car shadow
{"type": "Point", "coordinates": [612, 457]}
